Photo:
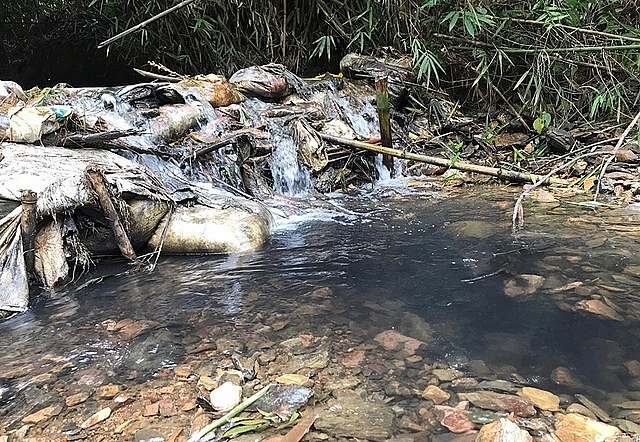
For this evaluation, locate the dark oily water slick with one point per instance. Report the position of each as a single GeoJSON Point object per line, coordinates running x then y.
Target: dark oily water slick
{"type": "Point", "coordinates": [372, 303]}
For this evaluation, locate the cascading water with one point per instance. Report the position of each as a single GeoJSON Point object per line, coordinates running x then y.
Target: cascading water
{"type": "Point", "coordinates": [290, 178]}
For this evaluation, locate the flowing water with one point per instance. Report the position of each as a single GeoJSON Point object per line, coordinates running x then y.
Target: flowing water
{"type": "Point", "coordinates": [384, 258]}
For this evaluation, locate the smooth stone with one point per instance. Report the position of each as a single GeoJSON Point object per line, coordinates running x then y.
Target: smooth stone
{"type": "Point", "coordinates": [226, 396]}
{"type": "Point", "coordinates": [578, 428]}
{"type": "Point", "coordinates": [595, 409]}
{"type": "Point", "coordinates": [563, 376]}
{"type": "Point", "coordinates": [435, 394]}
{"type": "Point", "coordinates": [500, 402]}
{"type": "Point", "coordinates": [627, 426]}
{"type": "Point", "coordinates": [542, 399]}
{"type": "Point", "coordinates": [96, 418]}
{"type": "Point", "coordinates": [629, 405]}
{"type": "Point", "coordinates": [581, 409]}
{"type": "Point", "coordinates": [351, 417]}
{"type": "Point", "coordinates": [416, 327]}
{"type": "Point", "coordinates": [498, 385]}
{"type": "Point", "coordinates": [392, 340]}
{"type": "Point", "coordinates": [523, 285]}
{"type": "Point", "coordinates": [43, 414]}
{"type": "Point", "coordinates": [294, 379]}
{"type": "Point", "coordinates": [598, 308]}
{"type": "Point", "coordinates": [455, 420]}
{"type": "Point", "coordinates": [77, 398]}
{"type": "Point", "coordinates": [446, 374]}
{"type": "Point", "coordinates": [502, 430]}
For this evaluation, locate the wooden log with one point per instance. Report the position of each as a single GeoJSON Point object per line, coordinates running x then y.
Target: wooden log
{"type": "Point", "coordinates": [122, 239]}
{"type": "Point", "coordinates": [28, 199]}
{"type": "Point", "coordinates": [459, 165]}
{"type": "Point", "coordinates": [382, 103]}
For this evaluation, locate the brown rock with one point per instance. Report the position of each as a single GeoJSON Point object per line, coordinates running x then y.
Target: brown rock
{"type": "Point", "coordinates": [392, 340]}
{"type": "Point", "coordinates": [455, 419]}
{"type": "Point", "coordinates": [523, 285]}
{"type": "Point", "coordinates": [563, 376]}
{"type": "Point", "coordinates": [97, 417]}
{"type": "Point", "coordinates": [108, 391]}
{"type": "Point", "coordinates": [151, 410]}
{"type": "Point", "coordinates": [578, 428]}
{"type": "Point", "coordinates": [166, 407]}
{"type": "Point", "coordinates": [77, 398]}
{"type": "Point", "coordinates": [294, 379]}
{"type": "Point", "coordinates": [129, 328]}
{"type": "Point", "coordinates": [542, 399]}
{"type": "Point", "coordinates": [354, 359]}
{"type": "Point", "coordinates": [500, 402]}
{"type": "Point", "coordinates": [581, 409]}
{"type": "Point", "coordinates": [43, 414]}
{"type": "Point", "coordinates": [435, 394]}
{"type": "Point", "coordinates": [446, 374]}
{"type": "Point", "coordinates": [633, 367]}
{"type": "Point", "coordinates": [599, 308]}
{"type": "Point", "coordinates": [503, 430]}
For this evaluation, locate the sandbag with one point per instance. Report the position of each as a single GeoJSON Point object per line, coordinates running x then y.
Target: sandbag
{"type": "Point", "coordinates": [238, 225]}
{"type": "Point", "coordinates": [29, 124]}
{"type": "Point", "coordinates": [14, 293]}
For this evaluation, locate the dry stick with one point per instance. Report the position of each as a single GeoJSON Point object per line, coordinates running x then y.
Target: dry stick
{"type": "Point", "coordinates": [492, 171]}
{"type": "Point", "coordinates": [157, 76]}
{"type": "Point", "coordinates": [144, 23]}
{"type": "Point", "coordinates": [517, 219]}
{"type": "Point", "coordinates": [613, 153]}
{"type": "Point", "coordinates": [571, 28]}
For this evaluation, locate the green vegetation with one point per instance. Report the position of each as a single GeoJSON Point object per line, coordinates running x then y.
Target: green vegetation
{"type": "Point", "coordinates": [571, 60]}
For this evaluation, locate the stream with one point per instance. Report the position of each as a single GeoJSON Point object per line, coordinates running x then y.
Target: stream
{"type": "Point", "coordinates": [430, 264]}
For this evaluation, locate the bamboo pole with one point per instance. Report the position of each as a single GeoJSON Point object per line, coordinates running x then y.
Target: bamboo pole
{"type": "Point", "coordinates": [384, 109]}
{"type": "Point", "coordinates": [537, 50]}
{"type": "Point", "coordinates": [459, 165]}
{"type": "Point", "coordinates": [144, 23]}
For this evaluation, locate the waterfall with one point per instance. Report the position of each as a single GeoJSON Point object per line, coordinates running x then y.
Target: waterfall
{"type": "Point", "coordinates": [289, 177]}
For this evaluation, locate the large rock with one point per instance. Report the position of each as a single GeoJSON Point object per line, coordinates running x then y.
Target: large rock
{"type": "Point", "coordinates": [490, 400]}
{"type": "Point", "coordinates": [578, 428]}
{"type": "Point", "coordinates": [542, 399]}
{"type": "Point", "coordinates": [502, 430]}
{"type": "Point", "coordinates": [354, 418]}
{"type": "Point", "coordinates": [237, 225]}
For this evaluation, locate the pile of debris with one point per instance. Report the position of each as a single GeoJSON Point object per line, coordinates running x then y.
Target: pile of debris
{"type": "Point", "coordinates": [181, 165]}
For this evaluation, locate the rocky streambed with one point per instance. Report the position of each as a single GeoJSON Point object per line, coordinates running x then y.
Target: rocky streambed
{"type": "Point", "coordinates": [416, 334]}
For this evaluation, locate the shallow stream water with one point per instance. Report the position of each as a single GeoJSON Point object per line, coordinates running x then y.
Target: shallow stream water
{"type": "Point", "coordinates": [444, 257]}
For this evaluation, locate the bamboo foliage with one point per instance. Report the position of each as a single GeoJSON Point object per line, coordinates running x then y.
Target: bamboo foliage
{"type": "Point", "coordinates": [574, 59]}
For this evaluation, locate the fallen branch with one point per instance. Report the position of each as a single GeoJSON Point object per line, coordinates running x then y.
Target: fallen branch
{"type": "Point", "coordinates": [517, 219]}
{"type": "Point", "coordinates": [160, 77]}
{"type": "Point", "coordinates": [95, 140]}
{"type": "Point", "coordinates": [467, 167]}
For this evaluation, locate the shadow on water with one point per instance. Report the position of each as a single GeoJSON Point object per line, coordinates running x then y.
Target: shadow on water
{"type": "Point", "coordinates": [441, 259]}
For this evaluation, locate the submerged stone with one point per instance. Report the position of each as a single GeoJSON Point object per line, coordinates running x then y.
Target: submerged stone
{"type": "Point", "coordinates": [503, 430]}
{"type": "Point", "coordinates": [500, 402]}
{"type": "Point", "coordinates": [351, 417]}
{"type": "Point", "coordinates": [576, 427]}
